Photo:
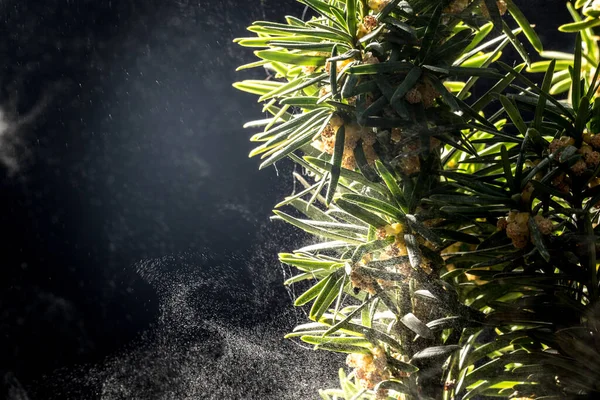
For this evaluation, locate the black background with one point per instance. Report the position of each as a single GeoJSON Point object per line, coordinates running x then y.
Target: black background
{"type": "Point", "coordinates": [125, 146]}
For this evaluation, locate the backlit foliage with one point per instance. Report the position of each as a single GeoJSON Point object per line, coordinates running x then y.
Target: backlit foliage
{"type": "Point", "coordinates": [458, 234]}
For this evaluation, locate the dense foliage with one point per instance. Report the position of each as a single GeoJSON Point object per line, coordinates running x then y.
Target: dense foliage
{"type": "Point", "coordinates": [458, 251]}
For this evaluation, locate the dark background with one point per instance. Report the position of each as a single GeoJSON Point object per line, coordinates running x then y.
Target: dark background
{"type": "Point", "coordinates": [124, 179]}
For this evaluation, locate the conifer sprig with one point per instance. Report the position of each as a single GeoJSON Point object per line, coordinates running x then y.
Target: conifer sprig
{"type": "Point", "coordinates": [458, 235]}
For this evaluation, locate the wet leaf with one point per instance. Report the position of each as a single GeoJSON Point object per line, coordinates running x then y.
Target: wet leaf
{"type": "Point", "coordinates": [343, 348]}
{"type": "Point", "coordinates": [392, 384]}
{"type": "Point", "coordinates": [316, 230]}
{"type": "Point", "coordinates": [326, 296]}
{"type": "Point", "coordinates": [435, 351]}
{"type": "Point", "coordinates": [351, 342]}
{"type": "Point", "coordinates": [392, 185]}
{"type": "Point", "coordinates": [514, 114]}
{"type": "Point", "coordinates": [430, 34]}
{"type": "Point", "coordinates": [376, 205]}
{"type": "Point", "coordinates": [575, 73]}
{"type": "Point", "coordinates": [408, 83]}
{"type": "Point", "coordinates": [457, 236]}
{"type": "Point", "coordinates": [361, 213]}
{"type": "Point", "coordinates": [481, 34]}
{"type": "Point", "coordinates": [304, 263]}
{"type": "Point", "coordinates": [380, 68]}
{"type": "Point", "coordinates": [445, 323]}
{"type": "Point", "coordinates": [529, 32]}
{"type": "Point", "coordinates": [423, 230]}
{"type": "Point", "coordinates": [345, 173]}
{"type": "Point", "coordinates": [506, 166]}
{"type": "Point", "coordinates": [414, 324]}
{"type": "Point", "coordinates": [351, 17]}
{"type": "Point", "coordinates": [336, 164]}
{"type": "Point", "coordinates": [349, 317]}
{"type": "Point", "coordinates": [414, 253]}
{"type": "Point", "coordinates": [290, 58]}
{"type": "Point", "coordinates": [313, 292]}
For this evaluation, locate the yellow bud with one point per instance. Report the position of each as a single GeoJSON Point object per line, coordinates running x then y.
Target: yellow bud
{"type": "Point", "coordinates": [522, 218]}
{"type": "Point", "coordinates": [377, 5]}
{"type": "Point", "coordinates": [397, 228]}
{"type": "Point", "coordinates": [361, 30]}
